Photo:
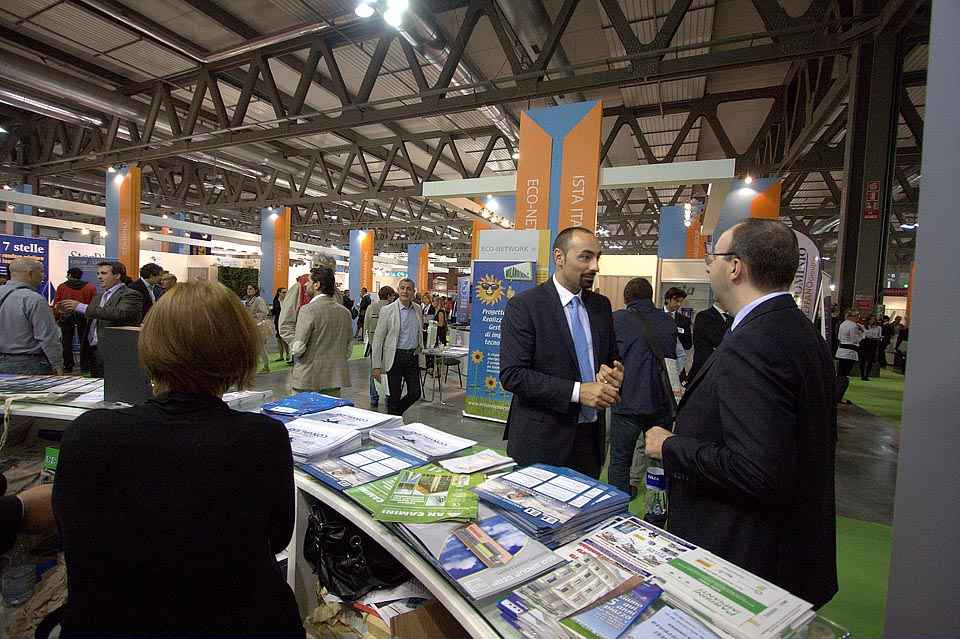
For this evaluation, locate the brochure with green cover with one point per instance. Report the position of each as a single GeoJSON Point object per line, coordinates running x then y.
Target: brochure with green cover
{"type": "Point", "coordinates": [420, 495]}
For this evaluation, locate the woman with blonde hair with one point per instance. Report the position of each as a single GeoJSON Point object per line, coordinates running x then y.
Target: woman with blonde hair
{"type": "Point", "coordinates": [171, 511]}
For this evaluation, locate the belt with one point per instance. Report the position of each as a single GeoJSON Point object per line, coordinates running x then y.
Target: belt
{"type": "Point", "coordinates": [406, 350]}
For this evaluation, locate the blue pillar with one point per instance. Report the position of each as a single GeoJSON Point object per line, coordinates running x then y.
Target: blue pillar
{"type": "Point", "coordinates": [672, 240]}
{"type": "Point", "coordinates": [19, 228]}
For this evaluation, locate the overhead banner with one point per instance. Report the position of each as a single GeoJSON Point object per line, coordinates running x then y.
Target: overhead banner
{"type": "Point", "coordinates": [806, 282]}
{"type": "Point", "coordinates": [514, 246]}
{"type": "Point", "coordinates": [418, 263]}
{"type": "Point", "coordinates": [123, 216]}
{"type": "Point", "coordinates": [558, 176]}
{"type": "Point", "coordinates": [494, 283]}
{"type": "Point", "coordinates": [14, 246]}
{"type": "Point", "coordinates": [361, 261]}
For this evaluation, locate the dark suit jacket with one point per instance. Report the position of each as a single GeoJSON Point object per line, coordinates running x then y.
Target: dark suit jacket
{"type": "Point", "coordinates": [141, 288]}
{"type": "Point", "coordinates": [751, 467]}
{"type": "Point", "coordinates": [170, 514]}
{"type": "Point", "coordinates": [124, 308]}
{"type": "Point", "coordinates": [538, 364]}
{"type": "Point", "coordinates": [708, 329]}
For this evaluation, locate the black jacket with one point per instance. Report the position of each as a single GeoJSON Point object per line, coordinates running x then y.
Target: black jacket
{"type": "Point", "coordinates": [538, 364]}
{"type": "Point", "coordinates": [170, 514]}
{"type": "Point", "coordinates": [643, 392]}
{"type": "Point", "coordinates": [684, 330]}
{"type": "Point", "coordinates": [708, 329]}
{"type": "Point", "coordinates": [141, 288]}
{"type": "Point", "coordinates": [750, 471]}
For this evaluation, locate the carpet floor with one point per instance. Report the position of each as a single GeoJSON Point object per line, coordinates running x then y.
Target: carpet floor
{"type": "Point", "coordinates": [882, 396]}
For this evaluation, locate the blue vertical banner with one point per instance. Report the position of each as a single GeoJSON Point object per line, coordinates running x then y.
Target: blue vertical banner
{"type": "Point", "coordinates": [463, 301]}
{"type": "Point", "coordinates": [19, 228]}
{"type": "Point", "coordinates": [494, 284]}
{"type": "Point", "coordinates": [361, 262]}
{"type": "Point", "coordinates": [418, 262]}
{"type": "Point", "coordinates": [35, 248]}
{"type": "Point", "coordinates": [672, 238]}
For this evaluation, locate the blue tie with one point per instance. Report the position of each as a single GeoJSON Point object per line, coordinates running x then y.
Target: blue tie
{"type": "Point", "coordinates": [587, 414]}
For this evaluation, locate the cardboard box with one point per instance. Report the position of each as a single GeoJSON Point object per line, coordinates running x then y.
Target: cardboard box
{"type": "Point", "coordinates": [432, 620]}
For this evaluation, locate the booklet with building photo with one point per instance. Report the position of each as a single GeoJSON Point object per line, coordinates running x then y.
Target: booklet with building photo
{"type": "Point", "coordinates": [420, 495]}
{"type": "Point", "coordinates": [482, 558]}
{"type": "Point", "coordinates": [369, 463]}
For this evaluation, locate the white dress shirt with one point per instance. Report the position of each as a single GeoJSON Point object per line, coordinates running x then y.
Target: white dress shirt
{"type": "Point", "coordinates": [849, 333]}
{"type": "Point", "coordinates": [565, 298]}
{"type": "Point", "coordinates": [153, 297]}
{"type": "Point", "coordinates": [743, 312]}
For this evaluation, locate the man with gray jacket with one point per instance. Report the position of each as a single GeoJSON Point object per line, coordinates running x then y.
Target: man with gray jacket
{"type": "Point", "coordinates": [397, 344]}
{"type": "Point", "coordinates": [31, 340]}
{"type": "Point", "coordinates": [385, 296]}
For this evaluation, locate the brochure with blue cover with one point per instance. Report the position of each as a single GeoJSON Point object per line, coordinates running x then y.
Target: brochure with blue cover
{"type": "Point", "coordinates": [304, 404]}
{"type": "Point", "coordinates": [369, 463]}
{"type": "Point", "coordinates": [553, 505]}
{"type": "Point", "coordinates": [611, 619]}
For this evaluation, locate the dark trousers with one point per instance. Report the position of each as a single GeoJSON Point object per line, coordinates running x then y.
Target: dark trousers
{"type": "Point", "coordinates": [868, 357]}
{"type": "Point", "coordinates": [96, 362]}
{"type": "Point", "coordinates": [26, 364]}
{"type": "Point", "coordinates": [586, 456]}
{"type": "Point", "coordinates": [625, 431]}
{"type": "Point", "coordinates": [406, 368]}
{"type": "Point", "coordinates": [884, 345]}
{"type": "Point", "coordinates": [75, 326]}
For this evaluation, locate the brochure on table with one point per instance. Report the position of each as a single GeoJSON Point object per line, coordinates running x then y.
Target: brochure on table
{"type": "Point", "coordinates": [422, 441]}
{"type": "Point", "coordinates": [420, 495]}
{"type": "Point", "coordinates": [365, 465]}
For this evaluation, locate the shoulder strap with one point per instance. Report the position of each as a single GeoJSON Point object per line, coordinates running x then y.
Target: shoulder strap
{"type": "Point", "coordinates": [661, 364]}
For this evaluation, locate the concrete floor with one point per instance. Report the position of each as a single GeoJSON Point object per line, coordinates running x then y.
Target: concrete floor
{"type": "Point", "coordinates": [866, 452]}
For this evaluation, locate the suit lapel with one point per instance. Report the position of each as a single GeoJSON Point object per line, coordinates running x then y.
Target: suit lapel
{"type": "Point", "coordinates": [564, 326]}
{"type": "Point", "coordinates": [700, 375]}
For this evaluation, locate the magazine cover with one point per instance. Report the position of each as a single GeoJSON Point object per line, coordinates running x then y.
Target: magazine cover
{"type": "Point", "coordinates": [371, 462]}
{"type": "Point", "coordinates": [420, 495]}
{"type": "Point", "coordinates": [422, 440]}
{"type": "Point", "coordinates": [485, 557]}
{"type": "Point", "coordinates": [304, 403]}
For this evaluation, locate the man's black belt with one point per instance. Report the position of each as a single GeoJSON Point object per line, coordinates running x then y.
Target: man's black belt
{"type": "Point", "coordinates": [406, 350]}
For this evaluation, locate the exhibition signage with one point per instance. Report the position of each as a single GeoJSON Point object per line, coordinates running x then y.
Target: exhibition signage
{"type": "Point", "coordinates": [418, 263]}
{"type": "Point", "coordinates": [361, 261]}
{"type": "Point", "coordinates": [807, 279]}
{"type": "Point", "coordinates": [274, 250]}
{"type": "Point", "coordinates": [123, 216]}
{"type": "Point", "coordinates": [558, 175]}
{"type": "Point", "coordinates": [14, 246]}
{"type": "Point", "coordinates": [89, 266]}
{"type": "Point", "coordinates": [494, 284]}
{"type": "Point", "coordinates": [463, 301]}
{"type": "Point", "coordinates": [514, 246]}
{"type": "Point", "coordinates": [760, 198]}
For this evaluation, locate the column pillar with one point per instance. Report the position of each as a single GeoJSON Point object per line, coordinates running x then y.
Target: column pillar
{"type": "Point", "coordinates": [921, 599]}
{"type": "Point", "coordinates": [361, 261]}
{"type": "Point", "coordinates": [868, 163]}
{"type": "Point", "coordinates": [123, 217]}
{"type": "Point", "coordinates": [274, 250]}
{"type": "Point", "coordinates": [418, 262]}
{"type": "Point", "coordinates": [19, 228]}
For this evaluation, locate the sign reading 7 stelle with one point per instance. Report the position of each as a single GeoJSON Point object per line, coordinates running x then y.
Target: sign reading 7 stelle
{"type": "Point", "coordinates": [14, 246]}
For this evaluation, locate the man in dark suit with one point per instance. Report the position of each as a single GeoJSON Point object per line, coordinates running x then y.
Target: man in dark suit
{"type": "Point", "coordinates": [709, 328]}
{"type": "Point", "coordinates": [750, 465]}
{"type": "Point", "coordinates": [558, 356]}
{"type": "Point", "coordinates": [115, 305]}
{"type": "Point", "coordinates": [149, 278]}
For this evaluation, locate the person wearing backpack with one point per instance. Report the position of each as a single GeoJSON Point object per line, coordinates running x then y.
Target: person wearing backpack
{"type": "Point", "coordinates": [644, 334]}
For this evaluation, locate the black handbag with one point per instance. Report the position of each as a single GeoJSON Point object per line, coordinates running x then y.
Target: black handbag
{"type": "Point", "coordinates": [348, 563]}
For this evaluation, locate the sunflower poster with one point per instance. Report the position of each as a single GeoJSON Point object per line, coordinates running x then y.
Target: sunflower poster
{"type": "Point", "coordinates": [494, 283]}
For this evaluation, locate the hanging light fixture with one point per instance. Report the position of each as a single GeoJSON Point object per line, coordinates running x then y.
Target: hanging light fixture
{"type": "Point", "coordinates": [364, 9]}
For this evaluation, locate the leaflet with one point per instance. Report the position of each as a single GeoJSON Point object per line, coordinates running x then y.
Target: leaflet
{"type": "Point", "coordinates": [485, 557]}
{"type": "Point", "coordinates": [421, 440]}
{"type": "Point", "coordinates": [311, 439]}
{"type": "Point", "coordinates": [485, 460]}
{"type": "Point", "coordinates": [609, 620]}
{"type": "Point", "coordinates": [668, 623]}
{"type": "Point", "coordinates": [632, 543]}
{"type": "Point", "coordinates": [371, 462]}
{"type": "Point", "coordinates": [420, 495]}
{"type": "Point", "coordinates": [353, 418]}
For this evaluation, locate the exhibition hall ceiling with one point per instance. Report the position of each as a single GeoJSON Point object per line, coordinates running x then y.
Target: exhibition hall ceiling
{"type": "Point", "coordinates": [231, 106]}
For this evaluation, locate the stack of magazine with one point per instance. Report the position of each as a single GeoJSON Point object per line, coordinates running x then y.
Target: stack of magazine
{"type": "Point", "coordinates": [421, 441]}
{"type": "Point", "coordinates": [730, 600]}
{"type": "Point", "coordinates": [304, 404]}
{"type": "Point", "coordinates": [482, 558]}
{"type": "Point", "coordinates": [425, 494]}
{"type": "Point", "coordinates": [358, 419]}
{"type": "Point", "coordinates": [312, 439]}
{"type": "Point", "coordinates": [538, 608]}
{"type": "Point", "coordinates": [553, 505]}
{"type": "Point", "coordinates": [371, 462]}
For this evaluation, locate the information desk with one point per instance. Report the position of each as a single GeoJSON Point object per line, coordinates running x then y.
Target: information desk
{"type": "Point", "coordinates": [479, 622]}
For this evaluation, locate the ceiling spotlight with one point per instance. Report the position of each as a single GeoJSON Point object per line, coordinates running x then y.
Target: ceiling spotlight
{"type": "Point", "coordinates": [2, 130]}
{"type": "Point", "coordinates": [364, 9]}
{"type": "Point", "coordinates": [393, 17]}
{"type": "Point", "coordinates": [492, 203]}
{"type": "Point", "coordinates": [104, 233]}
{"type": "Point", "coordinates": [398, 5]}
{"type": "Point", "coordinates": [516, 155]}
{"type": "Point", "coordinates": [41, 210]}
{"type": "Point", "coordinates": [164, 216]}
{"type": "Point", "coordinates": [833, 287]}
{"type": "Point", "coordinates": [485, 213]}
{"type": "Point", "coordinates": [748, 180]}
{"type": "Point", "coordinates": [84, 231]}
{"type": "Point", "coordinates": [505, 223]}
{"type": "Point", "coordinates": [111, 169]}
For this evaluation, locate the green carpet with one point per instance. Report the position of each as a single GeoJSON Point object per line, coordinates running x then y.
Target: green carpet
{"type": "Point", "coordinates": [881, 396]}
{"type": "Point", "coordinates": [358, 350]}
{"type": "Point", "coordinates": [863, 566]}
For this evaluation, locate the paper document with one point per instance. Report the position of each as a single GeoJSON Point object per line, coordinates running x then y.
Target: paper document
{"type": "Point", "coordinates": [484, 460]}
{"type": "Point", "coordinates": [668, 623]}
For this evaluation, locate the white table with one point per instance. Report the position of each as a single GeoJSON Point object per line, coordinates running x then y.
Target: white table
{"type": "Point", "coordinates": [480, 624]}
{"type": "Point", "coordinates": [438, 354]}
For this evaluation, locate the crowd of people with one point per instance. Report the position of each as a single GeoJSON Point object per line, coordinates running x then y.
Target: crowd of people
{"type": "Point", "coordinates": [206, 495]}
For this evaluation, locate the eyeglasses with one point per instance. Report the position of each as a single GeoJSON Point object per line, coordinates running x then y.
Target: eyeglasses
{"type": "Point", "coordinates": [709, 257]}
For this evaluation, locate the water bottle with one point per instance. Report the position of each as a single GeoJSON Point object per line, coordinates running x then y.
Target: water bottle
{"type": "Point", "coordinates": [656, 497]}
{"type": "Point", "coordinates": [19, 577]}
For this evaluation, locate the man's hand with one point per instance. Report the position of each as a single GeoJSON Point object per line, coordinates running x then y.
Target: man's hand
{"type": "Point", "coordinates": [598, 395]}
{"type": "Point", "coordinates": [612, 376]}
{"type": "Point", "coordinates": [68, 306]}
{"type": "Point", "coordinates": [654, 441]}
{"type": "Point", "coordinates": [375, 374]}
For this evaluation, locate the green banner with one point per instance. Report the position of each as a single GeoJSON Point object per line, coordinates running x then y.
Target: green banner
{"type": "Point", "coordinates": [735, 596]}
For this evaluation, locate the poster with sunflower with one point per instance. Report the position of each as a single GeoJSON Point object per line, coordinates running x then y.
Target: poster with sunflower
{"type": "Point", "coordinates": [494, 284]}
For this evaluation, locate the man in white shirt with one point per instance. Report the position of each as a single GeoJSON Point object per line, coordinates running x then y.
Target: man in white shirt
{"type": "Point", "coordinates": [848, 351]}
